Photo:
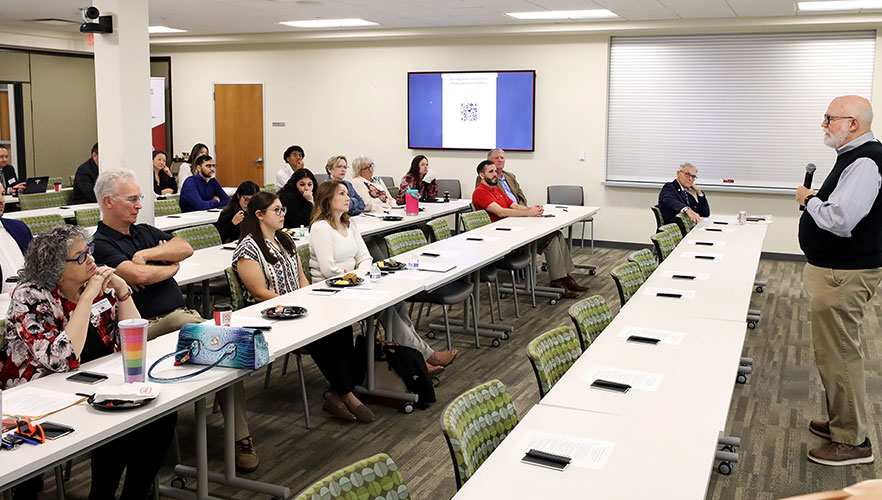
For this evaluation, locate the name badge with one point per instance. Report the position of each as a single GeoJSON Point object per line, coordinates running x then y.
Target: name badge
{"type": "Point", "coordinates": [100, 306]}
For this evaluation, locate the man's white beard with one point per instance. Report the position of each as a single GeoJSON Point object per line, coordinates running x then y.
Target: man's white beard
{"type": "Point", "coordinates": [835, 141]}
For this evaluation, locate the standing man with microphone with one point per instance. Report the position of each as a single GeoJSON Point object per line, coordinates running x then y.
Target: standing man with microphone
{"type": "Point", "coordinates": [839, 232]}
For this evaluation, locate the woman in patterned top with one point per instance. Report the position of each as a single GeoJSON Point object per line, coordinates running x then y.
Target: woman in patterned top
{"type": "Point", "coordinates": [414, 179]}
{"type": "Point", "coordinates": [65, 313]}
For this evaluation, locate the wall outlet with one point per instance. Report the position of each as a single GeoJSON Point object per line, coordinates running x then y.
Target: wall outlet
{"type": "Point", "coordinates": [581, 155]}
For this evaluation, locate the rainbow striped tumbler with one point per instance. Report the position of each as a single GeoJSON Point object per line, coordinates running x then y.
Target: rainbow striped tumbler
{"type": "Point", "coordinates": [133, 337]}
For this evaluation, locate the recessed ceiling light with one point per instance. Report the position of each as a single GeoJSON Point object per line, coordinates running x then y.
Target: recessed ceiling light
{"type": "Point", "coordinates": [164, 29]}
{"type": "Point", "coordinates": [329, 23]}
{"type": "Point", "coordinates": [839, 5]}
{"type": "Point", "coordinates": [549, 15]}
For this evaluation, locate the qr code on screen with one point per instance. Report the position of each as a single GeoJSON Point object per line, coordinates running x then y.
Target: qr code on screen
{"type": "Point", "coordinates": [468, 112]}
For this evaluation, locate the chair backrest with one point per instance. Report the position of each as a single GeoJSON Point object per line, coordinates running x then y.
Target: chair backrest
{"type": "Point", "coordinates": [168, 206]}
{"type": "Point", "coordinates": [44, 200]}
{"type": "Point", "coordinates": [474, 424]}
{"type": "Point", "coordinates": [198, 237]}
{"type": "Point", "coordinates": [628, 278]}
{"type": "Point", "coordinates": [55, 180]}
{"type": "Point", "coordinates": [590, 316]}
{"type": "Point", "coordinates": [374, 477]}
{"type": "Point", "coordinates": [440, 229]}
{"type": "Point", "coordinates": [88, 216]}
{"type": "Point", "coordinates": [269, 188]}
{"type": "Point", "coordinates": [474, 220]}
{"type": "Point", "coordinates": [41, 223]}
{"type": "Point", "coordinates": [393, 191]}
{"type": "Point", "coordinates": [72, 177]}
{"type": "Point", "coordinates": [666, 240]}
{"type": "Point", "coordinates": [645, 260]}
{"type": "Point", "coordinates": [684, 223]}
{"type": "Point", "coordinates": [303, 252]}
{"type": "Point", "coordinates": [659, 219]}
{"type": "Point", "coordinates": [321, 177]}
{"type": "Point", "coordinates": [405, 241]}
{"type": "Point", "coordinates": [387, 180]}
{"type": "Point", "coordinates": [552, 354]}
{"type": "Point", "coordinates": [237, 292]}
{"type": "Point", "coordinates": [565, 195]}
{"type": "Point", "coordinates": [451, 185]}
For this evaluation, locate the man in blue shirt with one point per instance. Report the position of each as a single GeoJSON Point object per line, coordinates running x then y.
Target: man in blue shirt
{"type": "Point", "coordinates": [201, 191]}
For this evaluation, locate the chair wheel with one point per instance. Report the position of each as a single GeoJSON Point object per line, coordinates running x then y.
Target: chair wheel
{"type": "Point", "coordinates": [741, 378]}
{"type": "Point", "coordinates": [725, 468]}
{"type": "Point", "coordinates": [178, 482]}
{"type": "Point", "coordinates": [751, 324]}
{"type": "Point", "coordinates": [592, 272]}
{"type": "Point", "coordinates": [436, 382]}
{"type": "Point", "coordinates": [502, 295]}
{"type": "Point", "coordinates": [552, 301]}
{"type": "Point", "coordinates": [544, 267]}
{"type": "Point", "coordinates": [729, 448]}
{"type": "Point", "coordinates": [430, 334]}
{"type": "Point", "coordinates": [407, 408]}
{"type": "Point", "coordinates": [496, 343]}
{"type": "Point", "coordinates": [506, 335]}
{"type": "Point", "coordinates": [760, 289]}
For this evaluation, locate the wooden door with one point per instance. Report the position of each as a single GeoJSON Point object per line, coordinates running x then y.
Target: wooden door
{"type": "Point", "coordinates": [238, 133]}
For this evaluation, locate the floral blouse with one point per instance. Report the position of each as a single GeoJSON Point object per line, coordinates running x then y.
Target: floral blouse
{"type": "Point", "coordinates": [36, 343]}
{"type": "Point", "coordinates": [282, 277]}
{"type": "Point", "coordinates": [429, 189]}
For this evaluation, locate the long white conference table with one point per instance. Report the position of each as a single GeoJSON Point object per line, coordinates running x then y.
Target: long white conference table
{"type": "Point", "coordinates": [659, 439]}
{"type": "Point", "coordinates": [326, 315]}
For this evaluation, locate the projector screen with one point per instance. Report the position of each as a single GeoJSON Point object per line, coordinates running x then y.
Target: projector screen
{"type": "Point", "coordinates": [471, 110]}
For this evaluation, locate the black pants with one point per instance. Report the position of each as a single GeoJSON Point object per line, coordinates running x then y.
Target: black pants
{"type": "Point", "coordinates": [338, 360]}
{"type": "Point", "coordinates": [140, 453]}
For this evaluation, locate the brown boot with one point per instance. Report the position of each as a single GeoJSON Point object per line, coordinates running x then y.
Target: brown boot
{"type": "Point", "coordinates": [442, 358]}
{"type": "Point", "coordinates": [839, 454]}
{"type": "Point", "coordinates": [336, 407]}
{"type": "Point", "coordinates": [566, 293]}
{"type": "Point", "coordinates": [820, 428]}
{"type": "Point", "coordinates": [571, 284]}
{"type": "Point", "coordinates": [246, 456]}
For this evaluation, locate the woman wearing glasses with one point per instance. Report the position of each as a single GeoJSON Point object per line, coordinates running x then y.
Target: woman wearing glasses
{"type": "Point", "coordinates": [65, 313]}
{"type": "Point", "coordinates": [371, 189]}
{"type": "Point", "coordinates": [336, 169]}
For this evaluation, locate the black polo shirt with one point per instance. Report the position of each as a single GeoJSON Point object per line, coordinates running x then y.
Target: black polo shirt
{"type": "Point", "coordinates": [112, 248]}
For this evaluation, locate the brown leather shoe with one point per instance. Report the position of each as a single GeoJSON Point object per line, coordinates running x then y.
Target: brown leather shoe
{"type": "Point", "coordinates": [567, 293]}
{"type": "Point", "coordinates": [442, 358]}
{"type": "Point", "coordinates": [434, 369]}
{"type": "Point", "coordinates": [363, 414]}
{"type": "Point", "coordinates": [246, 456]}
{"type": "Point", "coordinates": [839, 454]}
{"type": "Point", "coordinates": [336, 407]}
{"type": "Point", "coordinates": [570, 283]}
{"type": "Point", "coordinates": [820, 428]}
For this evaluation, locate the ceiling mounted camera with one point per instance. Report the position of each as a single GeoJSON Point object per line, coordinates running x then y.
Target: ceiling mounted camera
{"type": "Point", "coordinates": [94, 22]}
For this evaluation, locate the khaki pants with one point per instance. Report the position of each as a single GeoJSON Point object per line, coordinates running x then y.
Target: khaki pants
{"type": "Point", "coordinates": [239, 418]}
{"type": "Point", "coordinates": [557, 255]}
{"type": "Point", "coordinates": [402, 331]}
{"type": "Point", "coordinates": [838, 298]}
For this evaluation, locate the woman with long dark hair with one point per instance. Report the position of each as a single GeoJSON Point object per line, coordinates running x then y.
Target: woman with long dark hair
{"type": "Point", "coordinates": [297, 197]}
{"type": "Point", "coordinates": [415, 179]}
{"type": "Point", "coordinates": [234, 213]}
{"type": "Point", "coordinates": [163, 180]}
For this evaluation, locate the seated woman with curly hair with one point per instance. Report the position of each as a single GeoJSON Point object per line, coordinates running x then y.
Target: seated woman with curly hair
{"type": "Point", "coordinates": [64, 313]}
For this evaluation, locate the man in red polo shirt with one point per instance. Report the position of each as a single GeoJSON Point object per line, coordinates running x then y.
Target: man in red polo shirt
{"type": "Point", "coordinates": [487, 196]}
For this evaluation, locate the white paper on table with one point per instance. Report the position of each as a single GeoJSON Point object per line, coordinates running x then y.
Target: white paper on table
{"type": "Point", "coordinates": [645, 381]}
{"type": "Point", "coordinates": [111, 366]}
{"type": "Point", "coordinates": [35, 402]}
{"type": "Point", "coordinates": [698, 276]}
{"type": "Point", "coordinates": [360, 294]}
{"type": "Point", "coordinates": [584, 452]}
{"type": "Point", "coordinates": [684, 294]}
{"type": "Point", "coordinates": [713, 243]}
{"type": "Point", "coordinates": [136, 391]}
{"type": "Point", "coordinates": [436, 267]}
{"type": "Point", "coordinates": [691, 255]}
{"type": "Point", "coordinates": [768, 219]}
{"type": "Point", "coordinates": [664, 336]}
{"type": "Point", "coordinates": [407, 275]}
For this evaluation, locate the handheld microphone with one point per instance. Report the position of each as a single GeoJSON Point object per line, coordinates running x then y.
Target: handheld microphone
{"type": "Point", "coordinates": [807, 182]}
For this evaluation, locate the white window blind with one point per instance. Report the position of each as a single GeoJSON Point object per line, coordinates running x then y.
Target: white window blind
{"type": "Point", "coordinates": [746, 110]}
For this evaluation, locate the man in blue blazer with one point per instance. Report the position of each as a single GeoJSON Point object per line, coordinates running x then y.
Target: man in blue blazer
{"type": "Point", "coordinates": [14, 240]}
{"type": "Point", "coordinates": [682, 195]}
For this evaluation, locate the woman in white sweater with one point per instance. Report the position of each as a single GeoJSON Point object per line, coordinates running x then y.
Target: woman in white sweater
{"type": "Point", "coordinates": [371, 189]}
{"type": "Point", "coordinates": [337, 248]}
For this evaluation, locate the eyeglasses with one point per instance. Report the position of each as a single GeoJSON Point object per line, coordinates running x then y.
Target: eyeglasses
{"type": "Point", "coordinates": [81, 257]}
{"type": "Point", "coordinates": [278, 210]}
{"type": "Point", "coordinates": [828, 119]}
{"type": "Point", "coordinates": [33, 431]}
{"type": "Point", "coordinates": [132, 199]}
{"type": "Point", "coordinates": [368, 167]}
{"type": "Point", "coordinates": [691, 176]}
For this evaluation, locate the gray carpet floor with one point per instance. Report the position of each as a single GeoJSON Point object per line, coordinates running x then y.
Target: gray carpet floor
{"type": "Point", "coordinates": [770, 413]}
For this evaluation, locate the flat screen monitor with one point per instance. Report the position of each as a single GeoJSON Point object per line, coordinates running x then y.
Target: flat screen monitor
{"type": "Point", "coordinates": [471, 110]}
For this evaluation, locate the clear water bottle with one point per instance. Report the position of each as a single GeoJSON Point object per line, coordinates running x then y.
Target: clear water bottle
{"type": "Point", "coordinates": [375, 273]}
{"type": "Point", "coordinates": [414, 263]}
{"type": "Point", "coordinates": [302, 231]}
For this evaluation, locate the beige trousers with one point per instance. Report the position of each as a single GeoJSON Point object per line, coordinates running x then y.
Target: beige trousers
{"type": "Point", "coordinates": [557, 255]}
{"type": "Point", "coordinates": [838, 299]}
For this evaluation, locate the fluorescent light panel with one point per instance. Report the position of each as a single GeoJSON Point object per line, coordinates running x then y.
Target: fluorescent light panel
{"type": "Point", "coordinates": [329, 23]}
{"type": "Point", "coordinates": [163, 29]}
{"type": "Point", "coordinates": [548, 15]}
{"type": "Point", "coordinates": [839, 5]}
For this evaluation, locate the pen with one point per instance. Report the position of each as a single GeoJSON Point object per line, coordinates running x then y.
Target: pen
{"type": "Point", "coordinates": [26, 439]}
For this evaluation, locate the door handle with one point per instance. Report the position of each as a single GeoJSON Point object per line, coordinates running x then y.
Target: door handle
{"type": "Point", "coordinates": [259, 160]}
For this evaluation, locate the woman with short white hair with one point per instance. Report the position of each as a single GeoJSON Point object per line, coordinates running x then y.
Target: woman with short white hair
{"type": "Point", "coordinates": [371, 188]}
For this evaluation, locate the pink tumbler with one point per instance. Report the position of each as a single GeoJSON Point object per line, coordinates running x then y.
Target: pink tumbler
{"type": "Point", "coordinates": [412, 202]}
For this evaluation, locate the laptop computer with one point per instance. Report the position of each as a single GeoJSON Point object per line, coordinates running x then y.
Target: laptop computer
{"type": "Point", "coordinates": [36, 185]}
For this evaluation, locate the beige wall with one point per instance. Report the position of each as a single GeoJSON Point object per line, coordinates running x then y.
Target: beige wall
{"type": "Point", "coordinates": [350, 98]}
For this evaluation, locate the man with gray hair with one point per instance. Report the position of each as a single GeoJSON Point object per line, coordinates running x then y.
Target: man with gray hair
{"type": "Point", "coordinates": [508, 183]}
{"type": "Point", "coordinates": [682, 195]}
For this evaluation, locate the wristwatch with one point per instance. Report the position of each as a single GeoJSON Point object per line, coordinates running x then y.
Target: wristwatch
{"type": "Point", "coordinates": [807, 198]}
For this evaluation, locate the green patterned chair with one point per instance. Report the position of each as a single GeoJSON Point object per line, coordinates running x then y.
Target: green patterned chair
{"type": "Point", "coordinates": [88, 217]}
{"type": "Point", "coordinates": [42, 223]}
{"type": "Point", "coordinates": [53, 181]}
{"type": "Point", "coordinates": [269, 188]}
{"type": "Point", "coordinates": [405, 241]}
{"type": "Point", "coordinates": [474, 424]}
{"type": "Point", "coordinates": [44, 200]}
{"type": "Point", "coordinates": [375, 478]}
{"type": "Point", "coordinates": [168, 206]}
{"type": "Point", "coordinates": [666, 241]}
{"type": "Point", "coordinates": [237, 293]}
{"type": "Point", "coordinates": [684, 223]}
{"type": "Point", "coordinates": [645, 259]}
{"type": "Point", "coordinates": [440, 229]}
{"type": "Point", "coordinates": [552, 354]}
{"type": "Point", "coordinates": [303, 252]}
{"type": "Point", "coordinates": [393, 191]}
{"type": "Point", "coordinates": [474, 220]}
{"type": "Point", "coordinates": [72, 177]}
{"type": "Point", "coordinates": [590, 316]}
{"type": "Point", "coordinates": [628, 278]}
{"type": "Point", "coordinates": [200, 237]}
